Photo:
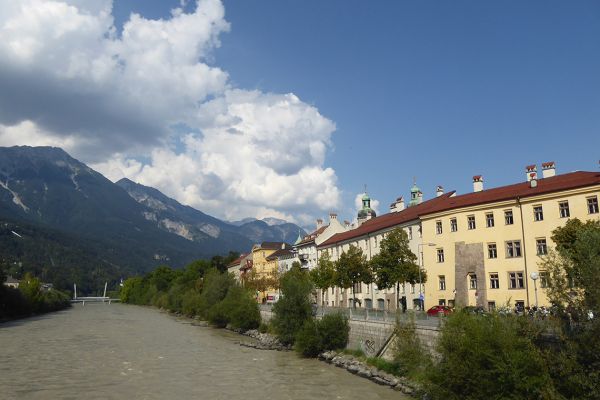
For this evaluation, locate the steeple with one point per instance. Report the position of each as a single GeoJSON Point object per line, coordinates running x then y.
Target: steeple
{"type": "Point", "coordinates": [416, 196]}
{"type": "Point", "coordinates": [366, 212]}
{"type": "Point", "coordinates": [299, 239]}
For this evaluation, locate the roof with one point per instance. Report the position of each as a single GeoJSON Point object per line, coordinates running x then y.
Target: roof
{"type": "Point", "coordinates": [447, 202]}
{"type": "Point", "coordinates": [10, 279]}
{"type": "Point", "coordinates": [279, 253]}
{"type": "Point", "coordinates": [273, 245]}
{"type": "Point", "coordinates": [388, 220]}
{"type": "Point", "coordinates": [237, 261]}
{"type": "Point", "coordinates": [312, 236]}
{"type": "Point", "coordinates": [520, 190]}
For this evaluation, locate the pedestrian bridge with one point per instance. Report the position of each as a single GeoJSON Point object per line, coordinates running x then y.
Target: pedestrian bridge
{"type": "Point", "coordinates": [91, 299]}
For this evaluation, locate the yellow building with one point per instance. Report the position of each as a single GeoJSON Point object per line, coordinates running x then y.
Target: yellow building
{"type": "Point", "coordinates": [483, 248]}
{"type": "Point", "coordinates": [265, 267]}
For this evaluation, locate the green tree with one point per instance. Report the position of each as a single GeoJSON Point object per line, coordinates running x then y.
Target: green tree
{"type": "Point", "coordinates": [293, 308]}
{"type": "Point", "coordinates": [489, 357]}
{"type": "Point", "coordinates": [323, 276]}
{"type": "Point", "coordinates": [352, 268]}
{"type": "Point", "coordinates": [396, 263]}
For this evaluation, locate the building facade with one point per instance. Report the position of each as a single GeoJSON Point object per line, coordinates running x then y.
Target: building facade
{"type": "Point", "coordinates": [485, 247]}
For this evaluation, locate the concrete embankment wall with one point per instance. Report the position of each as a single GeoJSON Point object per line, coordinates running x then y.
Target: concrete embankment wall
{"type": "Point", "coordinates": [373, 337]}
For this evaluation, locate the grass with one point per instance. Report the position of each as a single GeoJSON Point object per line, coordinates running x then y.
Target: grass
{"type": "Point", "coordinates": [381, 364]}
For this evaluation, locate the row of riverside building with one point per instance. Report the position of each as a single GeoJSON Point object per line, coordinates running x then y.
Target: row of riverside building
{"type": "Point", "coordinates": [478, 249]}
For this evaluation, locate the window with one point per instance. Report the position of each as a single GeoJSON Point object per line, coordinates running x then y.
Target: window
{"type": "Point", "coordinates": [440, 255]}
{"type": "Point", "coordinates": [419, 231]}
{"type": "Point", "coordinates": [472, 281]}
{"type": "Point", "coordinates": [442, 302]}
{"type": "Point", "coordinates": [541, 246]}
{"type": "Point", "coordinates": [543, 279]}
{"type": "Point", "coordinates": [412, 289]}
{"type": "Point", "coordinates": [513, 249]}
{"type": "Point", "coordinates": [442, 282]}
{"type": "Point", "coordinates": [453, 225]}
{"type": "Point", "coordinates": [494, 281]}
{"type": "Point", "coordinates": [375, 241]}
{"type": "Point", "coordinates": [491, 305]}
{"type": "Point", "coordinates": [508, 217]}
{"type": "Point", "coordinates": [438, 227]}
{"type": "Point", "coordinates": [357, 288]}
{"type": "Point", "coordinates": [492, 250]}
{"type": "Point", "coordinates": [563, 209]}
{"type": "Point", "coordinates": [592, 203]}
{"type": "Point", "coordinates": [471, 221]}
{"type": "Point", "coordinates": [409, 233]}
{"type": "Point", "coordinates": [538, 213]}
{"type": "Point", "coordinates": [489, 220]}
{"type": "Point", "coordinates": [515, 280]}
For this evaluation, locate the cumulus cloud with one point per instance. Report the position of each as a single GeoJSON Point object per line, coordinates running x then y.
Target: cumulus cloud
{"type": "Point", "coordinates": [146, 104]}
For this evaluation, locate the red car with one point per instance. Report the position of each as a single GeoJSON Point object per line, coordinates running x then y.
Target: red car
{"type": "Point", "coordinates": [436, 310]}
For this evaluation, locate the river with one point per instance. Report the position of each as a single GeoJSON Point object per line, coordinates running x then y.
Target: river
{"type": "Point", "coordinates": [102, 351]}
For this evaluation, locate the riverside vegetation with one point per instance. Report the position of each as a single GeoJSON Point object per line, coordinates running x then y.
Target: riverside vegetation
{"type": "Point", "coordinates": [492, 355]}
{"type": "Point", "coordinates": [29, 299]}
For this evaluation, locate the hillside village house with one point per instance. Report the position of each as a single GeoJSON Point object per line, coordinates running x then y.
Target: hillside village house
{"type": "Point", "coordinates": [487, 244]}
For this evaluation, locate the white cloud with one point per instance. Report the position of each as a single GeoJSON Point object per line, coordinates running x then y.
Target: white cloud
{"type": "Point", "coordinates": [68, 79]}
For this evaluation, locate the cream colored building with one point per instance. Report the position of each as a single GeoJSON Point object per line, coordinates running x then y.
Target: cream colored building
{"type": "Point", "coordinates": [368, 236]}
{"type": "Point", "coordinates": [306, 247]}
{"type": "Point", "coordinates": [485, 245]}
{"type": "Point", "coordinates": [265, 266]}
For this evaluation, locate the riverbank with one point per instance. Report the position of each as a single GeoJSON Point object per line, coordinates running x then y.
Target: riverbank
{"type": "Point", "coordinates": [352, 364]}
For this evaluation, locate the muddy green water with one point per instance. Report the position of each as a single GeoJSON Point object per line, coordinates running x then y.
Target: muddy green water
{"type": "Point", "coordinates": [101, 351]}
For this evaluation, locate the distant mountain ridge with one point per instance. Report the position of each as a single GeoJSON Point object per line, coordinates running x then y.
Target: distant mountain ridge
{"type": "Point", "coordinates": [129, 226]}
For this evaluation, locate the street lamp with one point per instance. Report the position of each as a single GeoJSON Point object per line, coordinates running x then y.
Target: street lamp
{"type": "Point", "coordinates": [420, 250]}
{"type": "Point", "coordinates": [534, 275]}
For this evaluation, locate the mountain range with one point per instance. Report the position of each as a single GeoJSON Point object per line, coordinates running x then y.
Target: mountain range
{"type": "Point", "coordinates": [126, 225]}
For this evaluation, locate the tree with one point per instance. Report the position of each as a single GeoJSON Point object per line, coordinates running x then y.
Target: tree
{"type": "Point", "coordinates": [323, 276]}
{"type": "Point", "coordinates": [257, 282]}
{"type": "Point", "coordinates": [574, 289]}
{"type": "Point", "coordinates": [293, 308]}
{"type": "Point", "coordinates": [352, 268]}
{"type": "Point", "coordinates": [396, 263]}
{"type": "Point", "coordinates": [574, 268]}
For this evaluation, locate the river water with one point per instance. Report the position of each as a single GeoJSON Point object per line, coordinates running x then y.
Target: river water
{"type": "Point", "coordinates": [102, 351]}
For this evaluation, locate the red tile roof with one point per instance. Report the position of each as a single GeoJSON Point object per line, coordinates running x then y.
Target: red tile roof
{"type": "Point", "coordinates": [388, 220]}
{"type": "Point", "coordinates": [312, 236]}
{"type": "Point", "coordinates": [521, 190]}
{"type": "Point", "coordinates": [237, 261]}
{"type": "Point", "coordinates": [445, 202]}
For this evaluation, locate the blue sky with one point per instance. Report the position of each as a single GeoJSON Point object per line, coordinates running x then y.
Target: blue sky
{"type": "Point", "coordinates": [440, 91]}
{"type": "Point", "coordinates": [436, 90]}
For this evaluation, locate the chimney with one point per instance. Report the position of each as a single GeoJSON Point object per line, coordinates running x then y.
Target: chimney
{"type": "Point", "coordinates": [548, 169]}
{"type": "Point", "coordinates": [332, 216]}
{"type": "Point", "coordinates": [397, 205]}
{"type": "Point", "coordinates": [346, 223]}
{"type": "Point", "coordinates": [533, 180]}
{"type": "Point", "coordinates": [319, 223]}
{"type": "Point", "coordinates": [419, 197]}
{"type": "Point", "coordinates": [531, 172]}
{"type": "Point", "coordinates": [439, 191]}
{"type": "Point", "coordinates": [477, 183]}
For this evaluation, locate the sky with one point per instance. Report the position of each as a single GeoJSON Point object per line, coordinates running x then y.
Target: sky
{"type": "Point", "coordinates": [285, 108]}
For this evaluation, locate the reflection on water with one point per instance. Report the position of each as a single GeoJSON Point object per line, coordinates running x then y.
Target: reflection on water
{"type": "Point", "coordinates": [101, 351]}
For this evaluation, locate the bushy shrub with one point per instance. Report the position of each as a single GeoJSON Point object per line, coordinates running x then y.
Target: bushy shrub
{"type": "Point", "coordinates": [333, 331]}
{"type": "Point", "coordinates": [215, 288]}
{"type": "Point", "coordinates": [263, 327]}
{"type": "Point", "coordinates": [217, 315]}
{"type": "Point", "coordinates": [308, 340]}
{"type": "Point", "coordinates": [191, 303]}
{"type": "Point", "coordinates": [241, 309]}
{"type": "Point", "coordinates": [485, 357]}
{"type": "Point", "coordinates": [410, 357]}
{"type": "Point", "coordinates": [329, 333]}
{"type": "Point", "coordinates": [293, 308]}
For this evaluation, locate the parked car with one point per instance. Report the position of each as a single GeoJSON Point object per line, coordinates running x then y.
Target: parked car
{"type": "Point", "coordinates": [437, 310]}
